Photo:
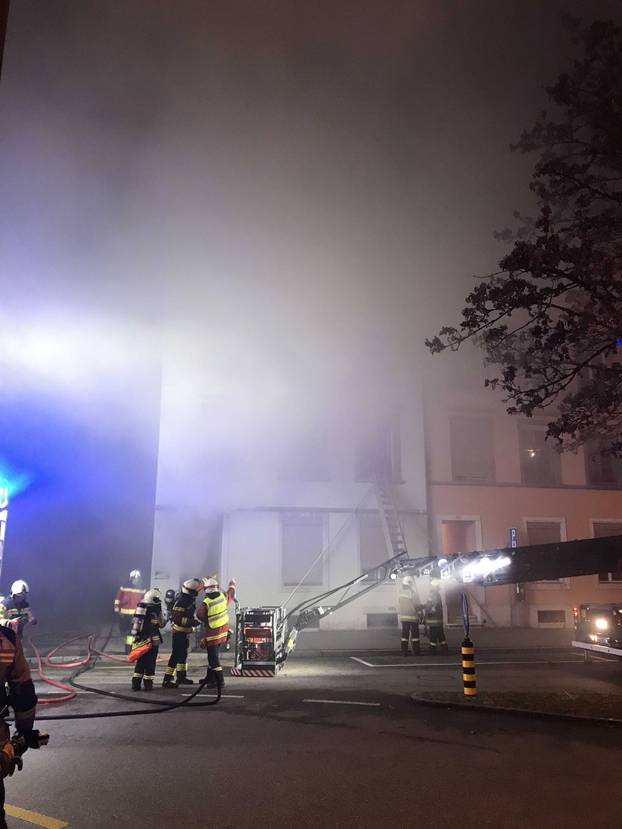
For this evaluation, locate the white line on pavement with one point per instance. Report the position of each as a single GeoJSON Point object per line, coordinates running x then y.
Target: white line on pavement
{"type": "Point", "coordinates": [477, 663]}
{"type": "Point", "coordinates": [342, 702]}
{"type": "Point", "coordinates": [222, 696]}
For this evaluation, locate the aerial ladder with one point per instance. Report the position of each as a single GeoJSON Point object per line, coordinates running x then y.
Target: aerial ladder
{"type": "Point", "coordinates": [267, 635]}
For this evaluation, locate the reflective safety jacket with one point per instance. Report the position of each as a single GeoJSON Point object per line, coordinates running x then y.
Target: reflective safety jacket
{"type": "Point", "coordinates": [182, 613]}
{"type": "Point", "coordinates": [434, 611]}
{"type": "Point", "coordinates": [127, 599]}
{"type": "Point", "coordinates": [15, 673]}
{"type": "Point", "coordinates": [147, 622]}
{"type": "Point", "coordinates": [406, 605]}
{"type": "Point", "coordinates": [215, 615]}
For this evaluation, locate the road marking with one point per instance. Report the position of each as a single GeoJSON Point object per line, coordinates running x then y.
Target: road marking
{"type": "Point", "coordinates": [222, 696]}
{"type": "Point", "coordinates": [35, 817]}
{"type": "Point", "coordinates": [342, 702]}
{"type": "Point", "coordinates": [477, 663]}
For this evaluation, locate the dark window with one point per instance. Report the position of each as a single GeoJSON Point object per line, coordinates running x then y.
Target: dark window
{"type": "Point", "coordinates": [372, 544]}
{"type": "Point", "coordinates": [540, 462]}
{"type": "Point", "coordinates": [543, 532]}
{"type": "Point", "coordinates": [303, 541]}
{"type": "Point", "coordinates": [602, 529]}
{"type": "Point", "coordinates": [379, 452]}
{"type": "Point", "coordinates": [547, 617]}
{"type": "Point", "coordinates": [601, 470]}
{"type": "Point", "coordinates": [382, 620]}
{"type": "Point", "coordinates": [472, 455]}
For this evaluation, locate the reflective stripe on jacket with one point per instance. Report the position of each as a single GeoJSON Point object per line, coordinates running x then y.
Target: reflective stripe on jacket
{"type": "Point", "coordinates": [217, 614]}
{"type": "Point", "coordinates": [127, 599]}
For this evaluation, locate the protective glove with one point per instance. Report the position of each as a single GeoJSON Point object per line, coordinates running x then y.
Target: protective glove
{"type": "Point", "coordinates": [10, 760]}
{"type": "Point", "coordinates": [203, 644]}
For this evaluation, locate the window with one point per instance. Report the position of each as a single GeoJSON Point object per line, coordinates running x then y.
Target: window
{"type": "Point", "coordinates": [379, 452]}
{"type": "Point", "coordinates": [546, 531]}
{"type": "Point", "coordinates": [372, 544]}
{"type": "Point", "coordinates": [543, 532]}
{"type": "Point", "coordinates": [382, 620]}
{"type": "Point", "coordinates": [602, 529]}
{"type": "Point", "coordinates": [540, 462]}
{"type": "Point", "coordinates": [601, 470]}
{"type": "Point", "coordinates": [551, 617]}
{"type": "Point", "coordinates": [472, 457]}
{"type": "Point", "coordinates": [302, 543]}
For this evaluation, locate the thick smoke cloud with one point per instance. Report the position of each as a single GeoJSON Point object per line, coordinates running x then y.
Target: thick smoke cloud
{"type": "Point", "coordinates": [281, 198]}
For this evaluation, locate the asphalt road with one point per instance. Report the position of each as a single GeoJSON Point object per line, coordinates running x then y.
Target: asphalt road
{"type": "Point", "coordinates": [301, 751]}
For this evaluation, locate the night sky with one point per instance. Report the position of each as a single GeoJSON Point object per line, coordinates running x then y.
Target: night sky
{"type": "Point", "coordinates": [333, 172]}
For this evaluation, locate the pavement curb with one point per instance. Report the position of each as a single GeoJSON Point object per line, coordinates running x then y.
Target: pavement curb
{"type": "Point", "coordinates": [521, 712]}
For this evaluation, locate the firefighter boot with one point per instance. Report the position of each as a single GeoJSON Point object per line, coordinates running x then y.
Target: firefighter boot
{"type": "Point", "coordinates": [148, 684]}
{"type": "Point", "coordinates": [416, 648]}
{"type": "Point", "coordinates": [182, 679]}
{"type": "Point", "coordinates": [168, 682]}
{"type": "Point", "coordinates": [209, 679]}
{"type": "Point", "coordinates": [136, 680]}
{"type": "Point", "coordinates": [220, 679]}
{"type": "Point", "coordinates": [404, 647]}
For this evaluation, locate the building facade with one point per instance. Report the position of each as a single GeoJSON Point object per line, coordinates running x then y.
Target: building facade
{"type": "Point", "coordinates": [489, 472]}
{"type": "Point", "coordinates": [286, 505]}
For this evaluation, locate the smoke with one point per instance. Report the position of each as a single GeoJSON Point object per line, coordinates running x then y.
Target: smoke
{"type": "Point", "coordinates": [267, 207]}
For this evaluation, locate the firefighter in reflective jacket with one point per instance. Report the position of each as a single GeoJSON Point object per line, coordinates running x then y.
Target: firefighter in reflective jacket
{"type": "Point", "coordinates": [146, 625]}
{"type": "Point", "coordinates": [409, 616]}
{"type": "Point", "coordinates": [15, 612]}
{"type": "Point", "coordinates": [183, 622]}
{"type": "Point", "coordinates": [434, 615]}
{"type": "Point", "coordinates": [215, 616]}
{"type": "Point", "coordinates": [125, 604]}
{"type": "Point", "coordinates": [20, 695]}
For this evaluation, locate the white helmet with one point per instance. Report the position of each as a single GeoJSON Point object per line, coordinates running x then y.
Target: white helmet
{"type": "Point", "coordinates": [407, 581]}
{"type": "Point", "coordinates": [153, 596]}
{"type": "Point", "coordinates": [19, 586]}
{"type": "Point", "coordinates": [192, 586]}
{"type": "Point", "coordinates": [210, 584]}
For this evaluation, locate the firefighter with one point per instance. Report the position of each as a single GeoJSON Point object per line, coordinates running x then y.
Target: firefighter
{"type": "Point", "coordinates": [434, 615]}
{"type": "Point", "coordinates": [183, 623]}
{"type": "Point", "coordinates": [20, 695]}
{"type": "Point", "coordinates": [148, 619]}
{"type": "Point", "coordinates": [125, 604]}
{"type": "Point", "coordinates": [215, 616]}
{"type": "Point", "coordinates": [409, 616]}
{"type": "Point", "coordinates": [15, 610]}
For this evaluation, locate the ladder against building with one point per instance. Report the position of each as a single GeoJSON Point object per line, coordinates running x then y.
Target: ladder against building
{"type": "Point", "coordinates": [396, 546]}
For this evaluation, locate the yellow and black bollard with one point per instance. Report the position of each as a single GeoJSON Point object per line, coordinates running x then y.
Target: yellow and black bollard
{"type": "Point", "coordinates": [468, 668]}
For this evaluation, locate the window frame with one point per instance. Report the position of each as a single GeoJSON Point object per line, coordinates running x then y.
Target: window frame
{"type": "Point", "coordinates": [484, 417]}
{"type": "Point", "coordinates": [548, 584]}
{"type": "Point", "coordinates": [324, 527]}
{"type": "Point", "coordinates": [524, 426]}
{"type": "Point", "coordinates": [606, 585]}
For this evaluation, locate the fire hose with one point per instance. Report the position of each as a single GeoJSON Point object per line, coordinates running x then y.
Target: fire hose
{"type": "Point", "coordinates": [86, 663]}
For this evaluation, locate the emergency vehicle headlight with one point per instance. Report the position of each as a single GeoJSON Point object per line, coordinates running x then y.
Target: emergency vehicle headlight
{"type": "Point", "coordinates": [601, 624]}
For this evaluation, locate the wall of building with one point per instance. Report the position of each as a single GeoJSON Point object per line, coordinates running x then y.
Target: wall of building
{"type": "Point", "coordinates": [252, 553]}
{"type": "Point", "coordinates": [507, 502]}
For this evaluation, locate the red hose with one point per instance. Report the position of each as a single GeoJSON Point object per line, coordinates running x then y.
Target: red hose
{"type": "Point", "coordinates": [71, 692]}
{"type": "Point", "coordinates": [76, 663]}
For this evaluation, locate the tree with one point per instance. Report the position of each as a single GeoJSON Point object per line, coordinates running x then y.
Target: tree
{"type": "Point", "coordinates": [550, 319]}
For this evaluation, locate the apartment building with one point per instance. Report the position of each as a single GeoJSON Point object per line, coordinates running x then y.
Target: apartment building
{"type": "Point", "coordinates": [489, 472]}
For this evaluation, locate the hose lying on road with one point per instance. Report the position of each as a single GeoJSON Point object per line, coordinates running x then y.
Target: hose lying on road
{"type": "Point", "coordinates": [86, 663]}
{"type": "Point", "coordinates": [70, 692]}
